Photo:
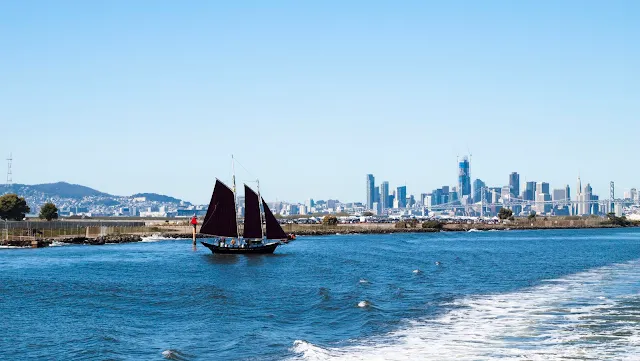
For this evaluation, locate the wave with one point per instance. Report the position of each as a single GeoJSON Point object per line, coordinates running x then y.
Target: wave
{"type": "Point", "coordinates": [154, 238]}
{"type": "Point", "coordinates": [593, 315]}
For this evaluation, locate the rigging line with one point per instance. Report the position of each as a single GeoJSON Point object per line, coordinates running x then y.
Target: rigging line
{"type": "Point", "coordinates": [243, 167]}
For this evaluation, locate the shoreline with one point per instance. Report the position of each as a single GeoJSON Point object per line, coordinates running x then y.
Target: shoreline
{"type": "Point", "coordinates": [304, 230]}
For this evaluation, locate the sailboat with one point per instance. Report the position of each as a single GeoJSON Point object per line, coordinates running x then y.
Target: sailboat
{"type": "Point", "coordinates": [221, 222]}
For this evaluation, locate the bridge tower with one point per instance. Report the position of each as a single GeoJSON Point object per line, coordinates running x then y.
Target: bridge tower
{"type": "Point", "coordinates": [611, 197]}
{"type": "Point", "coordinates": [9, 174]}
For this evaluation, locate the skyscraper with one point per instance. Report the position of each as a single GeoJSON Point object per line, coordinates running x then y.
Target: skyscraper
{"type": "Point", "coordinates": [477, 190]}
{"type": "Point", "coordinates": [542, 188]}
{"type": "Point", "coordinates": [464, 178]}
{"type": "Point", "coordinates": [514, 184]}
{"type": "Point", "coordinates": [401, 196]}
{"type": "Point", "coordinates": [529, 193]}
{"type": "Point", "coordinates": [376, 194]}
{"type": "Point", "coordinates": [543, 196]}
{"type": "Point", "coordinates": [384, 196]}
{"type": "Point", "coordinates": [370, 191]}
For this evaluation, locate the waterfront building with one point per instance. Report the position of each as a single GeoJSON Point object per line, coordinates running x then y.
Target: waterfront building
{"type": "Point", "coordinates": [477, 190]}
{"type": "Point", "coordinates": [370, 190]}
{"type": "Point", "coordinates": [464, 178]}
{"type": "Point", "coordinates": [514, 184]}
{"type": "Point", "coordinates": [384, 195]}
{"type": "Point", "coordinates": [401, 196]}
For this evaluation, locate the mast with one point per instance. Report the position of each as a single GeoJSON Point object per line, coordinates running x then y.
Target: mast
{"type": "Point", "coordinates": [235, 200]}
{"type": "Point", "coordinates": [261, 211]}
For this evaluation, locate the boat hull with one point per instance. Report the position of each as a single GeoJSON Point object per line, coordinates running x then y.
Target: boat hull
{"type": "Point", "coordinates": [262, 249]}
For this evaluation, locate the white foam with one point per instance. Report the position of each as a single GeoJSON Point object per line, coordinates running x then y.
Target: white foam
{"type": "Point", "coordinates": [581, 316]}
{"type": "Point", "coordinates": [154, 238]}
{"type": "Point", "coordinates": [416, 271]}
{"type": "Point", "coordinates": [58, 244]}
{"type": "Point", "coordinates": [364, 304]}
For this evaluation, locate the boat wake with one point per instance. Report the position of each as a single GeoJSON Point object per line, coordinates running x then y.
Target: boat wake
{"type": "Point", "coordinates": [593, 315]}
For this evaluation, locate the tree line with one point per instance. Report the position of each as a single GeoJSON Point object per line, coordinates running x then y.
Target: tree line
{"type": "Point", "coordinates": [15, 208]}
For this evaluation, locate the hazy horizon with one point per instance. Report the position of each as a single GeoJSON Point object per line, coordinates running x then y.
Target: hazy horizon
{"type": "Point", "coordinates": [156, 96]}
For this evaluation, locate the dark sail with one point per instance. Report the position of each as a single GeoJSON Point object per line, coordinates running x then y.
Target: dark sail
{"type": "Point", "coordinates": [221, 215]}
{"type": "Point", "coordinates": [252, 221]}
{"type": "Point", "coordinates": [274, 231]}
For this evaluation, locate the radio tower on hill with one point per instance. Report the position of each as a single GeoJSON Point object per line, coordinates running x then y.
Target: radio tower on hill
{"type": "Point", "coordinates": [9, 175]}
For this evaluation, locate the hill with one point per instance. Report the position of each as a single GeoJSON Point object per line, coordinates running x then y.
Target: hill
{"type": "Point", "coordinates": [154, 197]}
{"type": "Point", "coordinates": [60, 190]}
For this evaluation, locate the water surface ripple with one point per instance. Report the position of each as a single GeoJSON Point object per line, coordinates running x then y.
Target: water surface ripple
{"type": "Point", "coordinates": [535, 295]}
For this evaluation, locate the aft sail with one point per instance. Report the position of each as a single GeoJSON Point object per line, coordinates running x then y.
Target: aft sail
{"type": "Point", "coordinates": [252, 218]}
{"type": "Point", "coordinates": [221, 215]}
{"type": "Point", "coordinates": [274, 230]}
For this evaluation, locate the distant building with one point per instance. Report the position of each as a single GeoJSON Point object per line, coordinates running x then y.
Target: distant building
{"type": "Point", "coordinates": [505, 193]}
{"type": "Point", "coordinates": [401, 196]}
{"type": "Point", "coordinates": [559, 195]}
{"type": "Point", "coordinates": [542, 187]}
{"type": "Point", "coordinates": [376, 194]}
{"type": "Point", "coordinates": [384, 195]}
{"type": "Point", "coordinates": [514, 184]}
{"type": "Point", "coordinates": [376, 208]}
{"type": "Point", "coordinates": [464, 178]}
{"type": "Point", "coordinates": [529, 193]}
{"type": "Point", "coordinates": [478, 185]}
{"type": "Point", "coordinates": [370, 191]}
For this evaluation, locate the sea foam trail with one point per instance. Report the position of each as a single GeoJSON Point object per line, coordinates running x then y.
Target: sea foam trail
{"type": "Point", "coordinates": [592, 315]}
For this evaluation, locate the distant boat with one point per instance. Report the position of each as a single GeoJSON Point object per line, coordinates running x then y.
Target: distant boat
{"type": "Point", "coordinates": [221, 222]}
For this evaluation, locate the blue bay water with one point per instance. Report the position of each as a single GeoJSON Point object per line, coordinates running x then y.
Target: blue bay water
{"type": "Point", "coordinates": [554, 294]}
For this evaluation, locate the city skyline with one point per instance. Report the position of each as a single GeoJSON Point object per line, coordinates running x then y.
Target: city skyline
{"type": "Point", "coordinates": [146, 96]}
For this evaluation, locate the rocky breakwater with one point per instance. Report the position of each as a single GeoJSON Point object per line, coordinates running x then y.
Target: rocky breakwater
{"type": "Point", "coordinates": [97, 241]}
{"type": "Point", "coordinates": [359, 230]}
{"type": "Point", "coordinates": [184, 235]}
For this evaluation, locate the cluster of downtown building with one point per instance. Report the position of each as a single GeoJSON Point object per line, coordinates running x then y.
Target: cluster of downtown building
{"type": "Point", "coordinates": [476, 198]}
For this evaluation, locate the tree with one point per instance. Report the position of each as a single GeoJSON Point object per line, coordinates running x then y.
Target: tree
{"type": "Point", "coordinates": [505, 213]}
{"type": "Point", "coordinates": [432, 224]}
{"type": "Point", "coordinates": [13, 208]}
{"type": "Point", "coordinates": [48, 211]}
{"type": "Point", "coordinates": [532, 215]}
{"type": "Point", "coordinates": [330, 220]}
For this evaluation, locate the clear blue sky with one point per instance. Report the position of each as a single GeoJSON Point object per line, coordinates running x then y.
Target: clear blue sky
{"type": "Point", "coordinates": [133, 96]}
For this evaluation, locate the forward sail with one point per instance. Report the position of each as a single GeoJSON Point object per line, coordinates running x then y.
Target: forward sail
{"type": "Point", "coordinates": [221, 215]}
{"type": "Point", "coordinates": [252, 219]}
{"type": "Point", "coordinates": [274, 230]}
